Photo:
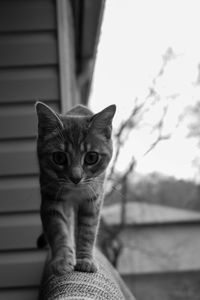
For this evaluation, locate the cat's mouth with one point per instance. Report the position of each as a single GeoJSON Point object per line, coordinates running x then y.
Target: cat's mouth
{"type": "Point", "coordinates": [68, 185]}
{"type": "Point", "coordinates": [84, 187]}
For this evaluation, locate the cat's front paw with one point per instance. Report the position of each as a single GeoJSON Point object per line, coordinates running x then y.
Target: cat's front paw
{"type": "Point", "coordinates": [86, 265]}
{"type": "Point", "coordinates": [60, 266]}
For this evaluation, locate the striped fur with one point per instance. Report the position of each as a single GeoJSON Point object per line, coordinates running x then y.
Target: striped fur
{"type": "Point", "coordinates": [74, 151]}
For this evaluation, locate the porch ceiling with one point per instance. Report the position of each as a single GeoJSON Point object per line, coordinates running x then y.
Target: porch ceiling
{"type": "Point", "coordinates": [87, 19]}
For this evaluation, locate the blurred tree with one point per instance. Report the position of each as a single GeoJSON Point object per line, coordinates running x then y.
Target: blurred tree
{"type": "Point", "coordinates": [139, 118]}
{"type": "Point", "coordinates": [194, 129]}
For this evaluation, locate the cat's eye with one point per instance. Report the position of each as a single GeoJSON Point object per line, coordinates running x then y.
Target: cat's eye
{"type": "Point", "coordinates": [60, 158]}
{"type": "Point", "coordinates": [91, 158]}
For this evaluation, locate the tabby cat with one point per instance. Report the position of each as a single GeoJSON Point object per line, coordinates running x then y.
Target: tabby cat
{"type": "Point", "coordinates": [73, 152]}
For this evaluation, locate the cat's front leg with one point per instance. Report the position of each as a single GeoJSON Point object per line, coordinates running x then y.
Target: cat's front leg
{"type": "Point", "coordinates": [62, 263]}
{"type": "Point", "coordinates": [88, 219]}
{"type": "Point", "coordinates": [60, 234]}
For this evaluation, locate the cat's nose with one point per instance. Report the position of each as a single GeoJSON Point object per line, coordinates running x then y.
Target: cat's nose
{"type": "Point", "coordinates": [75, 180]}
{"type": "Point", "coordinates": [76, 175]}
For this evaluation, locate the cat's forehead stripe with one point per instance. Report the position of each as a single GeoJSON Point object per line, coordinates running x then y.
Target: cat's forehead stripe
{"type": "Point", "coordinates": [75, 135]}
{"type": "Point", "coordinates": [82, 148]}
{"type": "Point", "coordinates": [69, 147]}
{"type": "Point", "coordinates": [54, 137]}
{"type": "Point", "coordinates": [50, 136]}
{"type": "Point", "coordinates": [89, 147]}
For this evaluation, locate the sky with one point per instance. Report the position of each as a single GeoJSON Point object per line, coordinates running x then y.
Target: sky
{"type": "Point", "coordinates": [135, 35]}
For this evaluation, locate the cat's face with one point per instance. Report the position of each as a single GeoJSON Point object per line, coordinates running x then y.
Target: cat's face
{"type": "Point", "coordinates": [74, 149]}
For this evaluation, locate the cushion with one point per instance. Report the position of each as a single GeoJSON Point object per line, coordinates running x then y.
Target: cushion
{"type": "Point", "coordinates": [105, 284]}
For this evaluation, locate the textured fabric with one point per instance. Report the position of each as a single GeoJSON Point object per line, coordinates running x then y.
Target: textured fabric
{"type": "Point", "coordinates": [105, 284]}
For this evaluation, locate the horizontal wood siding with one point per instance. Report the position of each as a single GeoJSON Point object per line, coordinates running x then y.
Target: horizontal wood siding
{"type": "Point", "coordinates": [19, 294]}
{"type": "Point", "coordinates": [26, 85]}
{"type": "Point", "coordinates": [19, 231]}
{"type": "Point", "coordinates": [29, 71]}
{"type": "Point", "coordinates": [27, 15]}
{"type": "Point", "coordinates": [19, 194]}
{"type": "Point", "coordinates": [18, 158]}
{"type": "Point", "coordinates": [27, 264]}
{"type": "Point", "coordinates": [27, 49]}
{"type": "Point", "coordinates": [19, 121]}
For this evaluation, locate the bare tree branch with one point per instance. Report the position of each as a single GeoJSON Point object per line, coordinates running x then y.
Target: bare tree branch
{"type": "Point", "coordinates": [159, 128]}
{"type": "Point", "coordinates": [135, 120]}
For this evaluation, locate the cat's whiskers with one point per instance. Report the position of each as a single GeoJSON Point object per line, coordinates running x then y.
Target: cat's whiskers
{"type": "Point", "coordinates": [95, 194]}
{"type": "Point", "coordinates": [114, 189]}
{"type": "Point", "coordinates": [94, 180]}
{"type": "Point", "coordinates": [91, 194]}
{"type": "Point", "coordinates": [59, 192]}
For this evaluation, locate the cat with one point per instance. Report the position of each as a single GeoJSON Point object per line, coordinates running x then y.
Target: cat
{"type": "Point", "coordinates": [74, 151]}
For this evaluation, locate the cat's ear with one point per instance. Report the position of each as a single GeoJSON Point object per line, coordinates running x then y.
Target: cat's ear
{"type": "Point", "coordinates": [102, 121]}
{"type": "Point", "coordinates": [48, 119]}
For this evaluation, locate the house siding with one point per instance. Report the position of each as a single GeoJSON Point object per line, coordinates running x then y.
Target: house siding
{"type": "Point", "coordinates": [29, 71]}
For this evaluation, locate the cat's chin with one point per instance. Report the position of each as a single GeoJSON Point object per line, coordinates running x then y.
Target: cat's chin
{"type": "Point", "coordinates": [77, 193]}
{"type": "Point", "coordinates": [77, 187]}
